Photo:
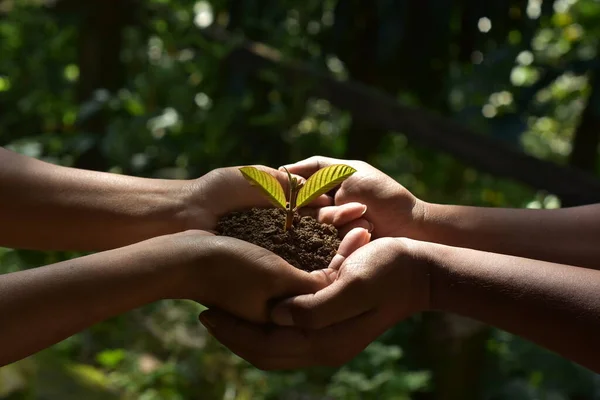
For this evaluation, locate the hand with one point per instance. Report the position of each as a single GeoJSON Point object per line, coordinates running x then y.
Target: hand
{"type": "Point", "coordinates": [391, 209]}
{"type": "Point", "coordinates": [375, 287]}
{"type": "Point", "coordinates": [225, 190]}
{"type": "Point", "coordinates": [244, 279]}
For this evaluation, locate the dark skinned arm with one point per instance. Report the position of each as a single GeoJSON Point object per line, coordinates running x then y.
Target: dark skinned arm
{"type": "Point", "coordinates": [386, 281]}
{"type": "Point", "coordinates": [567, 236]}
{"type": "Point", "coordinates": [42, 306]}
{"type": "Point", "coordinates": [556, 306]}
{"type": "Point", "coordinates": [50, 207]}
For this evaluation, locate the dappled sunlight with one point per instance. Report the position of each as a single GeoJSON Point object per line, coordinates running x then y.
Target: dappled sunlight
{"type": "Point", "coordinates": [461, 105]}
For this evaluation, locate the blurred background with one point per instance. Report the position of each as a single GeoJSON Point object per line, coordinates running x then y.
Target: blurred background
{"type": "Point", "coordinates": [468, 102]}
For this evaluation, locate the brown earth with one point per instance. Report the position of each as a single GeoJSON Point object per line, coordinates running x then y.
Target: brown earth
{"type": "Point", "coordinates": [309, 245]}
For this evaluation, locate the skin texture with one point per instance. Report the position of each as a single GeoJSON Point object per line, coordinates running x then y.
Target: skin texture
{"type": "Point", "coordinates": [567, 236]}
{"type": "Point", "coordinates": [391, 209]}
{"type": "Point", "coordinates": [52, 207]}
{"type": "Point", "coordinates": [59, 300]}
{"type": "Point", "coordinates": [555, 305]}
{"type": "Point", "coordinates": [151, 251]}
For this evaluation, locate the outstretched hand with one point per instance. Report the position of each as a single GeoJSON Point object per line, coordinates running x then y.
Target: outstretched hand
{"type": "Point", "coordinates": [391, 209]}
{"type": "Point", "coordinates": [245, 279]}
{"type": "Point", "coordinates": [372, 289]}
{"type": "Point", "coordinates": [225, 190]}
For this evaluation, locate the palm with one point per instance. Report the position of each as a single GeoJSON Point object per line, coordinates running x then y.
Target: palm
{"type": "Point", "coordinates": [251, 275]}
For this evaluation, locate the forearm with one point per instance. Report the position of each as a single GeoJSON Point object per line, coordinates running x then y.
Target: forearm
{"type": "Point", "coordinates": [42, 306]}
{"type": "Point", "coordinates": [554, 305]}
{"type": "Point", "coordinates": [567, 236]}
{"type": "Point", "coordinates": [49, 207]}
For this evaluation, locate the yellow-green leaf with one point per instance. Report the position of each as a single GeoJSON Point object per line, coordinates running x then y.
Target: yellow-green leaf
{"type": "Point", "coordinates": [267, 183]}
{"type": "Point", "coordinates": [323, 181]}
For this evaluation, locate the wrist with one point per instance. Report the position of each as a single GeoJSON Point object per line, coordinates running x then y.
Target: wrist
{"type": "Point", "coordinates": [192, 252]}
{"type": "Point", "coordinates": [419, 213]}
{"type": "Point", "coordinates": [439, 258]}
{"type": "Point", "coordinates": [414, 255]}
{"type": "Point", "coordinates": [158, 266]}
{"type": "Point", "coordinates": [194, 213]}
{"type": "Point", "coordinates": [149, 208]}
{"type": "Point", "coordinates": [427, 217]}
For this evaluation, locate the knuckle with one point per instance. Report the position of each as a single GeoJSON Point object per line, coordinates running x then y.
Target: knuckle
{"type": "Point", "coordinates": [357, 281]}
{"type": "Point", "coordinates": [321, 161]}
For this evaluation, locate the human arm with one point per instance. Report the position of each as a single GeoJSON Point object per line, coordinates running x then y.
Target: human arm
{"type": "Point", "coordinates": [50, 207]}
{"type": "Point", "coordinates": [568, 236]}
{"type": "Point", "coordinates": [42, 306]}
{"type": "Point", "coordinates": [382, 283]}
{"type": "Point", "coordinates": [553, 305]}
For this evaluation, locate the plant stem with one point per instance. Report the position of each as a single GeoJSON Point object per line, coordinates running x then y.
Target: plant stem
{"type": "Point", "coordinates": [291, 205]}
{"type": "Point", "coordinates": [289, 218]}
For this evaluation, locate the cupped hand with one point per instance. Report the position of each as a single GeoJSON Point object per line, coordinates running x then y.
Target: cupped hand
{"type": "Point", "coordinates": [244, 279]}
{"type": "Point", "coordinates": [373, 288]}
{"type": "Point", "coordinates": [225, 190]}
{"type": "Point", "coordinates": [391, 209]}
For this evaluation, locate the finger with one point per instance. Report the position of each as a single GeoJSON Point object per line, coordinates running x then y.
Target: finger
{"type": "Point", "coordinates": [336, 215]}
{"type": "Point", "coordinates": [354, 240]}
{"type": "Point", "coordinates": [300, 282]}
{"type": "Point", "coordinates": [283, 178]}
{"type": "Point", "coordinates": [197, 232]}
{"type": "Point", "coordinates": [321, 201]}
{"type": "Point", "coordinates": [280, 348]}
{"type": "Point", "coordinates": [294, 282]}
{"type": "Point", "coordinates": [310, 165]}
{"type": "Point", "coordinates": [338, 344]}
{"type": "Point", "coordinates": [359, 223]}
{"type": "Point", "coordinates": [341, 300]}
{"type": "Point", "coordinates": [254, 342]}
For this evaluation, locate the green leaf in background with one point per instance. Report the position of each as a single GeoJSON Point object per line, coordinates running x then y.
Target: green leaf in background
{"type": "Point", "coordinates": [267, 183]}
{"type": "Point", "coordinates": [323, 181]}
{"type": "Point", "coordinates": [110, 358]}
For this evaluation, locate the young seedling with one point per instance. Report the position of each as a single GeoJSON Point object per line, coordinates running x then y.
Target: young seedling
{"type": "Point", "coordinates": [300, 194]}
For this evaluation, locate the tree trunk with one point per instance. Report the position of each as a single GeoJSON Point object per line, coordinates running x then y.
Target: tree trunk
{"type": "Point", "coordinates": [99, 50]}
{"type": "Point", "coordinates": [584, 154]}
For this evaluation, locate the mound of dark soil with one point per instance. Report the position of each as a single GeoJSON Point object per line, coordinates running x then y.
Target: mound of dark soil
{"type": "Point", "coordinates": [309, 245]}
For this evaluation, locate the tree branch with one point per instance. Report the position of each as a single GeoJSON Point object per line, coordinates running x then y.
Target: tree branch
{"type": "Point", "coordinates": [380, 111]}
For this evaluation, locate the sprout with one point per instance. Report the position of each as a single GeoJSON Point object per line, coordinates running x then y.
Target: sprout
{"type": "Point", "coordinates": [300, 194]}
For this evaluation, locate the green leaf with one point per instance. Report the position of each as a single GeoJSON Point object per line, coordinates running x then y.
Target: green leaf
{"type": "Point", "coordinates": [267, 183]}
{"type": "Point", "coordinates": [110, 358]}
{"type": "Point", "coordinates": [323, 181]}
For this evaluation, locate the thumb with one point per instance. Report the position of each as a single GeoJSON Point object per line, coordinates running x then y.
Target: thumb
{"type": "Point", "coordinates": [341, 300]}
{"type": "Point", "coordinates": [301, 282]}
{"type": "Point", "coordinates": [323, 307]}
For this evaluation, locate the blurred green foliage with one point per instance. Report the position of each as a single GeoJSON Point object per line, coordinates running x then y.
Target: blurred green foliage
{"type": "Point", "coordinates": [178, 106]}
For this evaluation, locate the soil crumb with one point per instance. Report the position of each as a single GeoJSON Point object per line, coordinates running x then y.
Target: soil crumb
{"type": "Point", "coordinates": [309, 245]}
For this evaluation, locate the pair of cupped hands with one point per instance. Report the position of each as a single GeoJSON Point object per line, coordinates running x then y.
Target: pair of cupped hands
{"type": "Point", "coordinates": [278, 317]}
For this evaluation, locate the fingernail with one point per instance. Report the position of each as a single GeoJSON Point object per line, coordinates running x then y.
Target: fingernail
{"type": "Point", "coordinates": [364, 211]}
{"type": "Point", "coordinates": [371, 226]}
{"type": "Point", "coordinates": [282, 316]}
{"type": "Point", "coordinates": [207, 322]}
